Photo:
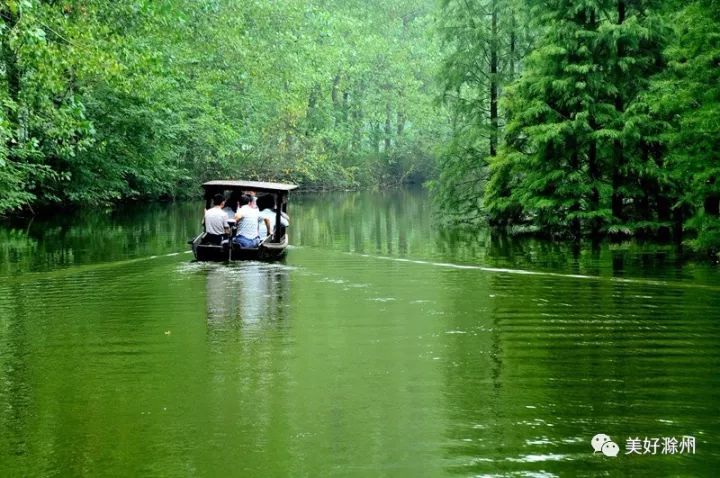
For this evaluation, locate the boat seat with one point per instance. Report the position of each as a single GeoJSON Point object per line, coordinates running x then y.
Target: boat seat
{"type": "Point", "coordinates": [211, 240]}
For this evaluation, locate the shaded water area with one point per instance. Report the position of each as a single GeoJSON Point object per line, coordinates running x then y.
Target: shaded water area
{"type": "Point", "coordinates": [384, 345]}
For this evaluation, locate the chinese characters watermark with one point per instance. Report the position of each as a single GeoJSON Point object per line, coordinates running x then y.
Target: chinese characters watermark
{"type": "Point", "coordinates": [602, 443]}
{"type": "Point", "coordinates": [660, 446]}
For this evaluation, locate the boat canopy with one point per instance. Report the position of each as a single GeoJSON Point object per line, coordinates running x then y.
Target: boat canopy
{"type": "Point", "coordinates": [258, 186]}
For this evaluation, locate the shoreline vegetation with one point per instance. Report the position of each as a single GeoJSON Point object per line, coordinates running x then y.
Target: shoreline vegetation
{"type": "Point", "coordinates": [585, 118]}
{"type": "Point", "coordinates": [108, 101]}
{"type": "Point", "coordinates": [568, 120]}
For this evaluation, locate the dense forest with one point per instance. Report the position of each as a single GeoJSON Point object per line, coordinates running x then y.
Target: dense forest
{"type": "Point", "coordinates": [584, 118]}
{"type": "Point", "coordinates": [568, 118]}
{"type": "Point", "coordinates": [102, 101]}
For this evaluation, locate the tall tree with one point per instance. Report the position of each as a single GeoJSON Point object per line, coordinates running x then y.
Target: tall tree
{"type": "Point", "coordinates": [42, 121]}
{"type": "Point", "coordinates": [106, 101]}
{"type": "Point", "coordinates": [686, 97]}
{"type": "Point", "coordinates": [484, 47]}
{"type": "Point", "coordinates": [571, 147]}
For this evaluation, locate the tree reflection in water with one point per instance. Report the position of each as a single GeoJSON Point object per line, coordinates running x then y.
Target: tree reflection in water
{"type": "Point", "coordinates": [248, 295]}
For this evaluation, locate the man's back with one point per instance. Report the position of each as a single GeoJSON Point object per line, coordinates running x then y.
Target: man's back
{"type": "Point", "coordinates": [270, 215]}
{"type": "Point", "coordinates": [215, 221]}
{"type": "Point", "coordinates": [248, 225]}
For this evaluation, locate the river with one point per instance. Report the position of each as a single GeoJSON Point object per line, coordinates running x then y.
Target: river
{"type": "Point", "coordinates": [384, 345]}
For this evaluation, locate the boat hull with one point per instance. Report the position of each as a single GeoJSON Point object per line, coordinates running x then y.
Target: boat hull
{"type": "Point", "coordinates": [268, 251]}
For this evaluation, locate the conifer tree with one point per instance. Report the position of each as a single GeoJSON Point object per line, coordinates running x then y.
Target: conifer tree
{"type": "Point", "coordinates": [576, 149]}
{"type": "Point", "coordinates": [632, 41]}
{"type": "Point", "coordinates": [546, 170]}
{"type": "Point", "coordinates": [687, 97]}
{"type": "Point", "coordinates": [485, 42]}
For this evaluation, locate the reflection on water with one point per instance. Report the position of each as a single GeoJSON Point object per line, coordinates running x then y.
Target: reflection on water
{"type": "Point", "coordinates": [385, 345]}
{"type": "Point", "coordinates": [405, 224]}
{"type": "Point", "coordinates": [248, 295]}
{"type": "Point", "coordinates": [92, 236]}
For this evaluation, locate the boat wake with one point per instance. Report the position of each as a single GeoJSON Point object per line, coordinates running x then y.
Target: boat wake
{"type": "Point", "coordinates": [503, 270]}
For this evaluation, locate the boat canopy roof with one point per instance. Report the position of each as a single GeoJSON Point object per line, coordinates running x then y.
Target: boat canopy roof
{"type": "Point", "coordinates": [248, 186]}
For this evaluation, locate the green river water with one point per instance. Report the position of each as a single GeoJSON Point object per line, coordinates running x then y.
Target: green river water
{"type": "Point", "coordinates": [384, 345]}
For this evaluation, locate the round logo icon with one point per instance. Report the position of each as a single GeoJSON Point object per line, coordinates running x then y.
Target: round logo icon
{"type": "Point", "coordinates": [598, 441]}
{"type": "Point", "coordinates": [610, 448]}
{"type": "Point", "coordinates": [602, 443]}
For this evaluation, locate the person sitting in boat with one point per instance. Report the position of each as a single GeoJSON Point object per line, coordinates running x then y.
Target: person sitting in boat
{"type": "Point", "coordinates": [266, 205]}
{"type": "Point", "coordinates": [253, 198]}
{"type": "Point", "coordinates": [248, 219]}
{"type": "Point", "coordinates": [216, 221]}
{"type": "Point", "coordinates": [231, 207]}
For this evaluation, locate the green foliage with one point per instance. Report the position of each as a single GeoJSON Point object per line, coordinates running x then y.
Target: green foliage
{"type": "Point", "coordinates": [612, 125]}
{"type": "Point", "coordinates": [687, 97]}
{"type": "Point", "coordinates": [485, 42]}
{"type": "Point", "coordinates": [573, 147]}
{"type": "Point", "coordinates": [102, 101]}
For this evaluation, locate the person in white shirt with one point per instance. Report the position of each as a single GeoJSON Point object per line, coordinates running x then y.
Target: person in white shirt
{"type": "Point", "coordinates": [248, 220]}
{"type": "Point", "coordinates": [231, 206]}
{"type": "Point", "coordinates": [216, 221]}
{"type": "Point", "coordinates": [266, 206]}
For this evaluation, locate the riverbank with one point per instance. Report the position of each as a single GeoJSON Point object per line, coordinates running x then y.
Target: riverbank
{"type": "Point", "coordinates": [395, 222]}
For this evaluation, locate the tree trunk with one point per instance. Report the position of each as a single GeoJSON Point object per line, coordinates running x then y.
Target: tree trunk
{"type": "Point", "coordinates": [647, 185]}
{"type": "Point", "coordinates": [357, 119]}
{"type": "Point", "coordinates": [376, 136]}
{"type": "Point", "coordinates": [345, 106]}
{"type": "Point", "coordinates": [618, 153]}
{"type": "Point", "coordinates": [493, 80]}
{"type": "Point", "coordinates": [312, 104]}
{"type": "Point", "coordinates": [335, 96]}
{"type": "Point", "coordinates": [12, 75]}
{"type": "Point", "coordinates": [711, 204]}
{"type": "Point", "coordinates": [334, 91]}
{"type": "Point", "coordinates": [593, 166]}
{"type": "Point", "coordinates": [388, 126]}
{"type": "Point", "coordinates": [678, 218]}
{"type": "Point", "coordinates": [511, 73]}
{"type": "Point", "coordinates": [663, 199]}
{"type": "Point", "coordinates": [575, 226]}
{"type": "Point", "coordinates": [594, 172]}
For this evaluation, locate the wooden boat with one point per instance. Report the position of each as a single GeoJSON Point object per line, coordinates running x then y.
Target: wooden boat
{"type": "Point", "coordinates": [272, 248]}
